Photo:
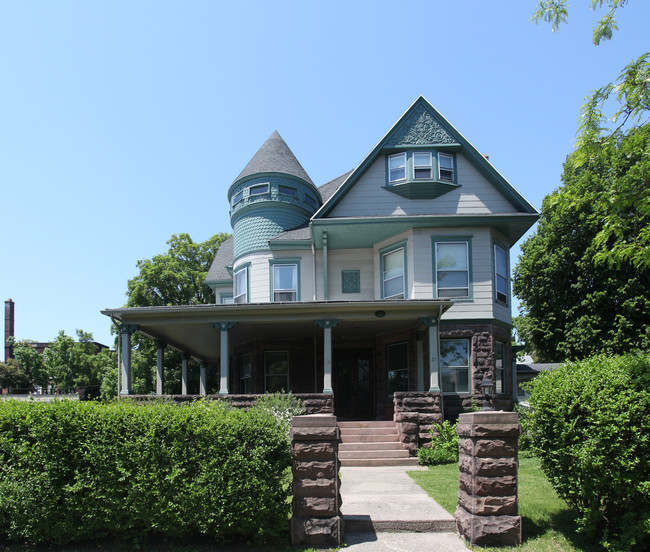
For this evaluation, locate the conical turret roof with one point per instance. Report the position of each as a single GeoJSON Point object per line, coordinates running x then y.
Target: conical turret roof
{"type": "Point", "coordinates": [275, 157]}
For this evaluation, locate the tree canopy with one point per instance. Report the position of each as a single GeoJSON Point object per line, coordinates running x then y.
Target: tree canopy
{"type": "Point", "coordinates": [172, 278]}
{"type": "Point", "coordinates": [175, 277]}
{"type": "Point", "coordinates": [625, 102]}
{"type": "Point", "coordinates": [574, 304]}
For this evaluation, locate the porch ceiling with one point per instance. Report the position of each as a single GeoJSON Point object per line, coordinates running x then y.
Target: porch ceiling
{"type": "Point", "coordinates": [189, 328]}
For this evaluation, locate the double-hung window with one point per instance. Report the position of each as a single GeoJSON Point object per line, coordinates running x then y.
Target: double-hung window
{"type": "Point", "coordinates": [240, 290]}
{"type": "Point", "coordinates": [446, 166]}
{"type": "Point", "coordinates": [397, 167]}
{"type": "Point", "coordinates": [393, 274]}
{"type": "Point", "coordinates": [422, 165]}
{"type": "Point", "coordinates": [452, 269]}
{"type": "Point", "coordinates": [276, 371]}
{"type": "Point", "coordinates": [285, 282]}
{"type": "Point", "coordinates": [501, 274]}
{"type": "Point", "coordinates": [454, 365]}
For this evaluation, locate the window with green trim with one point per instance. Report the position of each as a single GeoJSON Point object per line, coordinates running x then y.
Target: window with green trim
{"type": "Point", "coordinates": [226, 298]}
{"type": "Point", "coordinates": [500, 274]}
{"type": "Point", "coordinates": [276, 371]}
{"type": "Point", "coordinates": [393, 274]}
{"type": "Point", "coordinates": [452, 269]}
{"type": "Point", "coordinates": [445, 166]}
{"type": "Point", "coordinates": [311, 201]}
{"type": "Point", "coordinates": [455, 365]}
{"type": "Point", "coordinates": [422, 165]}
{"type": "Point", "coordinates": [287, 191]}
{"type": "Point", "coordinates": [258, 189]}
{"type": "Point", "coordinates": [240, 282]}
{"type": "Point", "coordinates": [239, 196]}
{"type": "Point", "coordinates": [285, 282]}
{"type": "Point", "coordinates": [397, 167]}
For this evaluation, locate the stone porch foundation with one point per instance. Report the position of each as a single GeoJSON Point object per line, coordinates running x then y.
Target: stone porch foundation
{"type": "Point", "coordinates": [487, 512]}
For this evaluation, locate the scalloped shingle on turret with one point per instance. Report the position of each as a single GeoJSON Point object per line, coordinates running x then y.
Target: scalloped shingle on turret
{"type": "Point", "coordinates": [275, 157]}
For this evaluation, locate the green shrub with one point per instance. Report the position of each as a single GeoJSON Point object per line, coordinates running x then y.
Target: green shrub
{"type": "Point", "coordinates": [590, 423]}
{"type": "Point", "coordinates": [526, 449]}
{"type": "Point", "coordinates": [282, 406]}
{"type": "Point", "coordinates": [73, 471]}
{"type": "Point", "coordinates": [444, 445]}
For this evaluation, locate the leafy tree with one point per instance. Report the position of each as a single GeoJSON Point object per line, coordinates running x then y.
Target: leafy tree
{"type": "Point", "coordinates": [175, 277]}
{"type": "Point", "coordinates": [31, 361]}
{"type": "Point", "coordinates": [13, 376]}
{"type": "Point", "coordinates": [575, 305]}
{"type": "Point", "coordinates": [624, 103]}
{"type": "Point", "coordinates": [172, 278]}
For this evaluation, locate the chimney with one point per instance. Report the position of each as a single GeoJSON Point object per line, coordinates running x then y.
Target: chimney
{"type": "Point", "coordinates": [9, 327]}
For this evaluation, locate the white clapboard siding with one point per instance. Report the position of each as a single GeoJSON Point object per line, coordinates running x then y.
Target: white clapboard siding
{"type": "Point", "coordinates": [350, 259]}
{"type": "Point", "coordinates": [369, 198]}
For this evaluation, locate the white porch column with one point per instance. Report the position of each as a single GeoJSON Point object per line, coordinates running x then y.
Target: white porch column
{"type": "Point", "coordinates": [160, 367]}
{"type": "Point", "coordinates": [184, 359]}
{"type": "Point", "coordinates": [125, 333]}
{"type": "Point", "coordinates": [420, 360]}
{"type": "Point", "coordinates": [202, 388]}
{"type": "Point", "coordinates": [327, 325]}
{"type": "Point", "coordinates": [224, 359]}
{"type": "Point", "coordinates": [434, 352]}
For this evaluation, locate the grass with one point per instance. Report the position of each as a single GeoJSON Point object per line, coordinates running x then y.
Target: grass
{"type": "Point", "coordinates": [548, 524]}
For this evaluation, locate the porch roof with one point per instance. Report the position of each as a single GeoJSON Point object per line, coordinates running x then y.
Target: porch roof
{"type": "Point", "coordinates": [189, 328]}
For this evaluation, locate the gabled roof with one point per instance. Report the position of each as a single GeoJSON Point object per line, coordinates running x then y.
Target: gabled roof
{"type": "Point", "coordinates": [222, 261]}
{"type": "Point", "coordinates": [422, 125]}
{"type": "Point", "coordinates": [274, 157]}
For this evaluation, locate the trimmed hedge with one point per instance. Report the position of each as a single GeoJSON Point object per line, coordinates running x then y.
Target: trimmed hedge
{"type": "Point", "coordinates": [74, 471]}
{"type": "Point", "coordinates": [590, 423]}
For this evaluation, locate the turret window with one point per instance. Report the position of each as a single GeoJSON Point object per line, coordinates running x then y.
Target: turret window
{"type": "Point", "coordinates": [287, 191]}
{"type": "Point", "coordinates": [258, 189]}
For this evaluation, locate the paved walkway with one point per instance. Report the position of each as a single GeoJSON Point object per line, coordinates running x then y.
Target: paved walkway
{"type": "Point", "coordinates": [385, 510]}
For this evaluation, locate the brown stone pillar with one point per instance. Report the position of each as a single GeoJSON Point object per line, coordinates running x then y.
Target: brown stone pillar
{"type": "Point", "coordinates": [487, 496]}
{"type": "Point", "coordinates": [316, 519]}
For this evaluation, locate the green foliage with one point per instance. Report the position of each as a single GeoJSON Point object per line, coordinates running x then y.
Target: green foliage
{"type": "Point", "coordinates": [630, 93]}
{"type": "Point", "coordinates": [175, 277]}
{"type": "Point", "coordinates": [30, 360]}
{"type": "Point", "coordinates": [72, 470]}
{"type": "Point", "coordinates": [14, 377]}
{"type": "Point", "coordinates": [444, 445]}
{"type": "Point", "coordinates": [574, 304]}
{"type": "Point", "coordinates": [172, 278]}
{"type": "Point", "coordinates": [283, 407]}
{"type": "Point", "coordinates": [589, 423]}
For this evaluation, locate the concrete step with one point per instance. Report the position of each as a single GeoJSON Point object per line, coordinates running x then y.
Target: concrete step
{"type": "Point", "coordinates": [370, 438]}
{"type": "Point", "coordinates": [366, 424]}
{"type": "Point", "coordinates": [361, 454]}
{"type": "Point", "coordinates": [377, 462]}
{"type": "Point", "coordinates": [368, 431]}
{"type": "Point", "coordinates": [369, 445]}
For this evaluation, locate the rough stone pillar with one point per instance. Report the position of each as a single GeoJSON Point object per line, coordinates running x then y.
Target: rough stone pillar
{"type": "Point", "coordinates": [415, 414]}
{"type": "Point", "coordinates": [316, 519]}
{"type": "Point", "coordinates": [487, 512]}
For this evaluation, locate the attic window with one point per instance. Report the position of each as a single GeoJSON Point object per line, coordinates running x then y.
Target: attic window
{"type": "Point", "coordinates": [422, 165]}
{"type": "Point", "coordinates": [446, 166]}
{"type": "Point", "coordinates": [397, 167]}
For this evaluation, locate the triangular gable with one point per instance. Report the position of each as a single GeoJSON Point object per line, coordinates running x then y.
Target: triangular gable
{"type": "Point", "coordinates": [423, 125]}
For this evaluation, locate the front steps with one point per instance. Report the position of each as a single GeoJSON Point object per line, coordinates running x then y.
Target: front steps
{"type": "Point", "coordinates": [372, 444]}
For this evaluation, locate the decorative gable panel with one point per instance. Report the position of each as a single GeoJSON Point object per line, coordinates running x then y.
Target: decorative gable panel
{"type": "Point", "coordinates": [419, 128]}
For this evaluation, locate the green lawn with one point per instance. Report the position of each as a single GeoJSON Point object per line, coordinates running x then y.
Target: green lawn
{"type": "Point", "coordinates": [548, 523]}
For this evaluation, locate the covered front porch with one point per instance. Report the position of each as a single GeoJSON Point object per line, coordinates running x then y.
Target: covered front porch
{"type": "Point", "coordinates": [359, 353]}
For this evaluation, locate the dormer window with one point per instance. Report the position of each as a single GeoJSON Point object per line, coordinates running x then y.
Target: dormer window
{"type": "Point", "coordinates": [397, 167]}
{"type": "Point", "coordinates": [446, 166]}
{"type": "Point", "coordinates": [422, 165]}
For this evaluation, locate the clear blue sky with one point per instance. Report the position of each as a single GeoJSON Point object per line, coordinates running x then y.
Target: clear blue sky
{"type": "Point", "coordinates": [122, 123]}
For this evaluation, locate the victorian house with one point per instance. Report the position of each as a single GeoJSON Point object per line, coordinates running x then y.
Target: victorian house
{"type": "Point", "coordinates": [392, 278]}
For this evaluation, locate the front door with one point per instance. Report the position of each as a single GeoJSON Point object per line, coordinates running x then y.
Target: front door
{"type": "Point", "coordinates": [352, 373]}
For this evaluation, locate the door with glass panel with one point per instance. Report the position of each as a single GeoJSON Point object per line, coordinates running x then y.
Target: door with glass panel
{"type": "Point", "coordinates": [352, 371]}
